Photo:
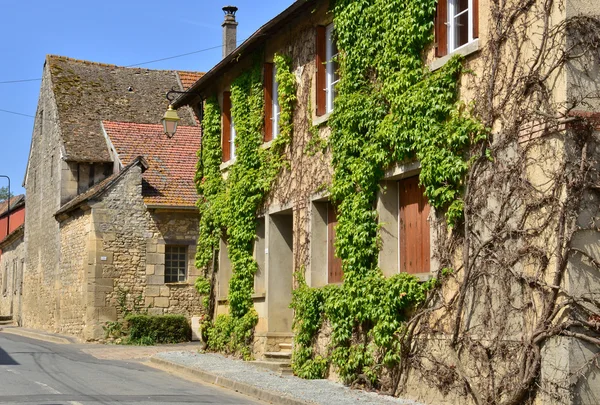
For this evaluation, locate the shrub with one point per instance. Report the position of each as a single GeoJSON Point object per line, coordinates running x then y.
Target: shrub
{"type": "Point", "coordinates": [151, 329]}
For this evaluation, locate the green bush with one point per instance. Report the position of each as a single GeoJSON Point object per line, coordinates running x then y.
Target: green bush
{"type": "Point", "coordinates": [149, 329]}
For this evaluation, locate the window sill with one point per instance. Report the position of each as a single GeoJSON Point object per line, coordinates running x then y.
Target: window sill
{"type": "Point", "coordinates": [267, 145]}
{"type": "Point", "coordinates": [322, 119]}
{"type": "Point", "coordinates": [227, 165]}
{"type": "Point", "coordinates": [180, 284]}
{"type": "Point", "coordinates": [464, 50]}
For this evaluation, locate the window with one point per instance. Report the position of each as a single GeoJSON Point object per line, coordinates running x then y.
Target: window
{"type": "Point", "coordinates": [228, 138]}
{"type": "Point", "coordinates": [414, 227]}
{"type": "Point", "coordinates": [457, 24]}
{"type": "Point", "coordinates": [327, 69]}
{"type": "Point", "coordinates": [175, 263]}
{"type": "Point", "coordinates": [271, 102]}
{"type": "Point", "coordinates": [334, 264]}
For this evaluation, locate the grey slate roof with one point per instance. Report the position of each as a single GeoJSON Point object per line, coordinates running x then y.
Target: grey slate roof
{"type": "Point", "coordinates": [88, 92]}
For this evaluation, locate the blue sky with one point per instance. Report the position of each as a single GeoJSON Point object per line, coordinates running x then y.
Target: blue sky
{"type": "Point", "coordinates": [122, 32]}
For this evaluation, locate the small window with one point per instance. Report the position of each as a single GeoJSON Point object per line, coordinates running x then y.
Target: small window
{"type": "Point", "coordinates": [228, 135]}
{"type": "Point", "coordinates": [175, 263]}
{"type": "Point", "coordinates": [275, 104]}
{"type": "Point", "coordinates": [331, 68]}
{"type": "Point", "coordinates": [457, 24]}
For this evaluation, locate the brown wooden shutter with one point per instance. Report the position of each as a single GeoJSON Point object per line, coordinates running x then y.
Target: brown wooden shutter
{"type": "Point", "coordinates": [321, 71]}
{"type": "Point", "coordinates": [475, 18]}
{"type": "Point", "coordinates": [334, 264]}
{"type": "Point", "coordinates": [268, 101]}
{"type": "Point", "coordinates": [441, 31]}
{"type": "Point", "coordinates": [225, 145]}
{"type": "Point", "coordinates": [414, 227]}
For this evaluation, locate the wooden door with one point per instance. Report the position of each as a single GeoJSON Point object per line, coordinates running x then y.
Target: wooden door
{"type": "Point", "coordinates": [414, 227]}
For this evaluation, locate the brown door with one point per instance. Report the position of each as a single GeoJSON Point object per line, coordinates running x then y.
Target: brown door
{"type": "Point", "coordinates": [334, 264]}
{"type": "Point", "coordinates": [414, 227]}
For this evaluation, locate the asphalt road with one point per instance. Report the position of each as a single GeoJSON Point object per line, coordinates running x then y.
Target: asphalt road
{"type": "Point", "coordinates": [36, 372]}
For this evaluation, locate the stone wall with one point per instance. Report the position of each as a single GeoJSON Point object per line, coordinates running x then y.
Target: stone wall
{"type": "Point", "coordinates": [126, 256]}
{"type": "Point", "coordinates": [71, 282]}
{"type": "Point", "coordinates": [41, 299]}
{"type": "Point", "coordinates": [12, 263]}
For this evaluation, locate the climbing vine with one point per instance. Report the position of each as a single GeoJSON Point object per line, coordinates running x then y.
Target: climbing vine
{"type": "Point", "coordinates": [228, 207]}
{"type": "Point", "coordinates": [389, 107]}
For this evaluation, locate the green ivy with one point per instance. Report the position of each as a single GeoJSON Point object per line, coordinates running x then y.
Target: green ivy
{"type": "Point", "coordinates": [389, 108]}
{"type": "Point", "coordinates": [229, 207]}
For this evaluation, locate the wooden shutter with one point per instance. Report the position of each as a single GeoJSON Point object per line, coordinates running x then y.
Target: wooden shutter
{"type": "Point", "coordinates": [268, 84]}
{"type": "Point", "coordinates": [441, 31]}
{"type": "Point", "coordinates": [475, 18]}
{"type": "Point", "coordinates": [321, 71]}
{"type": "Point", "coordinates": [334, 264]}
{"type": "Point", "coordinates": [414, 227]}
{"type": "Point", "coordinates": [225, 145]}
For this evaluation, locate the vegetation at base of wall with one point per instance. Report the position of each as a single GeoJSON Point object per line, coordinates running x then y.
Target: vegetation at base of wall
{"type": "Point", "coordinates": [152, 329]}
{"type": "Point", "coordinates": [228, 208]}
{"type": "Point", "coordinates": [389, 108]}
{"type": "Point", "coordinates": [125, 305]}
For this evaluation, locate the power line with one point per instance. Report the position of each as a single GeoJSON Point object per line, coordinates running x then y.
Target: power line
{"type": "Point", "coordinates": [128, 66]}
{"type": "Point", "coordinates": [17, 113]}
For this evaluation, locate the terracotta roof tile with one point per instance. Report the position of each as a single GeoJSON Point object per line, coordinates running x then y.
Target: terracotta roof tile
{"type": "Point", "coordinates": [188, 78]}
{"type": "Point", "coordinates": [88, 92]}
{"type": "Point", "coordinates": [169, 179]}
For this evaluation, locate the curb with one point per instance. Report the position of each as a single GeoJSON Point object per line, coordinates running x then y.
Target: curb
{"type": "Point", "coordinates": [36, 335]}
{"type": "Point", "coordinates": [224, 382]}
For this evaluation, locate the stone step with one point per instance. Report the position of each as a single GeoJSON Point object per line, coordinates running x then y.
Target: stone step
{"type": "Point", "coordinates": [278, 355]}
{"type": "Point", "coordinates": [282, 367]}
{"type": "Point", "coordinates": [285, 347]}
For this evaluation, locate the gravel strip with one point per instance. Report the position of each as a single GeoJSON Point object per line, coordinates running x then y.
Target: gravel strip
{"type": "Point", "coordinates": [317, 391]}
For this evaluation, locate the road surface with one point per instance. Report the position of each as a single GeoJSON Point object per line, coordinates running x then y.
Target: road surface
{"type": "Point", "coordinates": [37, 372]}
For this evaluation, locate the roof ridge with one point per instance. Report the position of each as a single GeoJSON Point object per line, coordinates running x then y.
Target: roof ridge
{"type": "Point", "coordinates": [108, 65]}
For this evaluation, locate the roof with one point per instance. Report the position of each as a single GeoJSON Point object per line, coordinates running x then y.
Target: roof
{"type": "Point", "coordinates": [99, 188]}
{"type": "Point", "coordinates": [14, 235]}
{"type": "Point", "coordinates": [169, 180]}
{"type": "Point", "coordinates": [88, 92]}
{"type": "Point", "coordinates": [15, 202]}
{"type": "Point", "coordinates": [188, 78]}
{"type": "Point", "coordinates": [246, 48]}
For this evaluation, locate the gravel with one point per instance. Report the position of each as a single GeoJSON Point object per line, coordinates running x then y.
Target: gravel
{"type": "Point", "coordinates": [316, 391]}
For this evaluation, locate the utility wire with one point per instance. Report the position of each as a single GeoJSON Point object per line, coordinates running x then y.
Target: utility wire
{"type": "Point", "coordinates": [17, 113]}
{"type": "Point", "coordinates": [128, 66]}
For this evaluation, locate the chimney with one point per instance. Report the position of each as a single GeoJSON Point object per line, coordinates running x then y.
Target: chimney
{"type": "Point", "coordinates": [229, 30]}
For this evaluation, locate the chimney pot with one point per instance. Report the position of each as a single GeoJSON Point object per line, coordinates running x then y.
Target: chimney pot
{"type": "Point", "coordinates": [229, 30]}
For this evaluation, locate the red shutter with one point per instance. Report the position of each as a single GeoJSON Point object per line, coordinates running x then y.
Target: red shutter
{"type": "Point", "coordinates": [268, 84]}
{"type": "Point", "coordinates": [475, 18]}
{"type": "Point", "coordinates": [226, 126]}
{"type": "Point", "coordinates": [334, 264]}
{"type": "Point", "coordinates": [441, 31]}
{"type": "Point", "coordinates": [321, 71]}
{"type": "Point", "coordinates": [414, 227]}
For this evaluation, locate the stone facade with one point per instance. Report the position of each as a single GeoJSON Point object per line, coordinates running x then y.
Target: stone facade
{"type": "Point", "coordinates": [118, 248]}
{"type": "Point", "coordinates": [12, 263]}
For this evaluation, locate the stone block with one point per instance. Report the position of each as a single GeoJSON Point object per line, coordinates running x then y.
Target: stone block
{"type": "Point", "coordinates": [110, 236]}
{"type": "Point", "coordinates": [160, 249]}
{"type": "Point", "coordinates": [161, 302]}
{"type": "Point", "coordinates": [95, 299]}
{"type": "Point", "coordinates": [155, 280]}
{"type": "Point", "coordinates": [155, 311]}
{"type": "Point", "coordinates": [165, 291]}
{"type": "Point", "coordinates": [149, 302]}
{"type": "Point", "coordinates": [104, 257]}
{"type": "Point", "coordinates": [150, 269]}
{"type": "Point", "coordinates": [153, 291]}
{"type": "Point", "coordinates": [107, 314]}
{"type": "Point", "coordinates": [151, 246]}
{"type": "Point", "coordinates": [155, 258]}
{"type": "Point", "coordinates": [159, 270]}
{"type": "Point", "coordinates": [173, 303]}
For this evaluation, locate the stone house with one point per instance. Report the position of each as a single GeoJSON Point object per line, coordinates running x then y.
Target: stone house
{"type": "Point", "coordinates": [95, 224]}
{"type": "Point", "coordinates": [12, 258]}
{"type": "Point", "coordinates": [296, 224]}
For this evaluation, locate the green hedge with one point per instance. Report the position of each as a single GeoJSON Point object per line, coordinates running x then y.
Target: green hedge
{"type": "Point", "coordinates": [150, 329]}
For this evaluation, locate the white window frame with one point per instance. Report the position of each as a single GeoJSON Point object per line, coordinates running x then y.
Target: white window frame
{"type": "Point", "coordinates": [330, 67]}
{"type": "Point", "coordinates": [275, 111]}
{"type": "Point", "coordinates": [452, 26]}
{"type": "Point", "coordinates": [232, 139]}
